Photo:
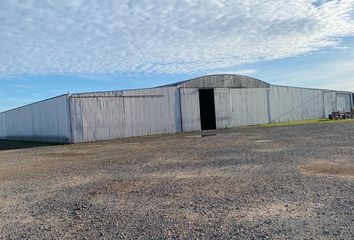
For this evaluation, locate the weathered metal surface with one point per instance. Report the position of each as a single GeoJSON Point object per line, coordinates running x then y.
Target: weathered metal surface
{"type": "Point", "coordinates": [43, 121]}
{"type": "Point", "coordinates": [249, 107]}
{"type": "Point", "coordinates": [239, 101]}
{"type": "Point", "coordinates": [293, 104]}
{"type": "Point", "coordinates": [223, 81]}
{"type": "Point", "coordinates": [109, 115]}
{"type": "Point", "coordinates": [240, 107]}
{"type": "Point", "coordinates": [330, 102]}
{"type": "Point", "coordinates": [96, 118]}
{"type": "Point", "coordinates": [223, 107]}
{"type": "Point", "coordinates": [190, 109]}
{"type": "Point", "coordinates": [343, 102]}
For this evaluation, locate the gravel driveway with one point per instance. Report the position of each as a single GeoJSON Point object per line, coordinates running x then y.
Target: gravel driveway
{"type": "Point", "coordinates": [251, 183]}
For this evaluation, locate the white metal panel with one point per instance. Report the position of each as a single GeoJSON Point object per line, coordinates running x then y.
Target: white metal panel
{"type": "Point", "coordinates": [292, 104]}
{"type": "Point", "coordinates": [312, 104]}
{"type": "Point", "coordinates": [190, 109]}
{"type": "Point", "coordinates": [330, 102]}
{"type": "Point", "coordinates": [248, 106]}
{"type": "Point", "coordinates": [96, 119]}
{"type": "Point", "coordinates": [222, 100]}
{"type": "Point", "coordinates": [120, 114]}
{"type": "Point", "coordinates": [343, 102]}
{"type": "Point", "coordinates": [42, 121]}
{"type": "Point", "coordinates": [157, 114]}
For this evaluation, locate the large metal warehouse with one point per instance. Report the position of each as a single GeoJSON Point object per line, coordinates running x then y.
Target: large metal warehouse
{"type": "Point", "coordinates": [204, 103]}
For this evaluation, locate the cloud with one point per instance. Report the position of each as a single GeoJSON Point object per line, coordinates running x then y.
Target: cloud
{"type": "Point", "coordinates": [162, 37]}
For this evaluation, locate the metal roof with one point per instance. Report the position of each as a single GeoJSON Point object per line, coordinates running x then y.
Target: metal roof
{"type": "Point", "coordinates": [221, 81]}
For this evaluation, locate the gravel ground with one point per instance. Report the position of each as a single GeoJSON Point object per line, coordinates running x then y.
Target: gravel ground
{"type": "Point", "coordinates": [251, 183]}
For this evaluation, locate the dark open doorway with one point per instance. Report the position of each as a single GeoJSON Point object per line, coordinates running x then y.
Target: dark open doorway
{"type": "Point", "coordinates": [207, 109]}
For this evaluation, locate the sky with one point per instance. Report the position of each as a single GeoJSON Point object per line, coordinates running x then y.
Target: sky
{"type": "Point", "coordinates": [50, 47]}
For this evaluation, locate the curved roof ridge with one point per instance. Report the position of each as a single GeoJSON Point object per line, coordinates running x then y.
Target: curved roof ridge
{"type": "Point", "coordinates": [222, 80]}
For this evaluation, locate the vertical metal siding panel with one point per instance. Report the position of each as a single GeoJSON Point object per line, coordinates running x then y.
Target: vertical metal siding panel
{"type": "Point", "coordinates": [76, 120]}
{"type": "Point", "coordinates": [42, 121]}
{"type": "Point", "coordinates": [292, 104]}
{"type": "Point", "coordinates": [347, 103]}
{"type": "Point", "coordinates": [261, 106]}
{"type": "Point", "coordinates": [279, 104]}
{"type": "Point", "coordinates": [102, 118]}
{"type": "Point", "coordinates": [2, 126]}
{"type": "Point", "coordinates": [141, 114]}
{"type": "Point", "coordinates": [343, 102]}
{"type": "Point", "coordinates": [299, 96]}
{"type": "Point", "coordinates": [125, 114]}
{"type": "Point", "coordinates": [97, 118]}
{"type": "Point", "coordinates": [248, 107]}
{"type": "Point", "coordinates": [318, 105]}
{"type": "Point", "coordinates": [340, 102]}
{"type": "Point", "coordinates": [152, 115]}
{"type": "Point", "coordinates": [330, 102]}
{"type": "Point", "coordinates": [190, 109]}
{"type": "Point", "coordinates": [222, 107]}
{"type": "Point", "coordinates": [304, 105]}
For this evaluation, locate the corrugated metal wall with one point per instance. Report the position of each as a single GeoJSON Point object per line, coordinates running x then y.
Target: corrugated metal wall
{"type": "Point", "coordinates": [240, 107]}
{"type": "Point", "coordinates": [330, 102]}
{"type": "Point", "coordinates": [293, 104]}
{"type": "Point", "coordinates": [190, 109]}
{"type": "Point", "coordinates": [96, 118]}
{"type": "Point", "coordinates": [43, 121]}
{"type": "Point", "coordinates": [117, 114]}
{"type": "Point", "coordinates": [100, 116]}
{"type": "Point", "coordinates": [343, 102]}
{"type": "Point", "coordinates": [251, 106]}
{"type": "Point", "coordinates": [223, 107]}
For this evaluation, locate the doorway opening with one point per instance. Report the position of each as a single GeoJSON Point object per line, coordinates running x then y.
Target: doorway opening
{"type": "Point", "coordinates": [207, 109]}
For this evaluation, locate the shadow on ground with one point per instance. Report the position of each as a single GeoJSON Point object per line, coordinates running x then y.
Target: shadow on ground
{"type": "Point", "coordinates": [9, 144]}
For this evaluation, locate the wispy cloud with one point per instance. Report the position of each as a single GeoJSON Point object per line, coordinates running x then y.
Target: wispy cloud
{"type": "Point", "coordinates": [167, 36]}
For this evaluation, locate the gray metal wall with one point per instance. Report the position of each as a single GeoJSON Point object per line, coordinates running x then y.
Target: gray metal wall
{"type": "Point", "coordinates": [240, 107]}
{"type": "Point", "coordinates": [190, 109]}
{"type": "Point", "coordinates": [330, 102]}
{"type": "Point", "coordinates": [344, 102]}
{"type": "Point", "coordinates": [251, 106]}
{"type": "Point", "coordinates": [101, 116]}
{"type": "Point", "coordinates": [293, 104]}
{"type": "Point", "coordinates": [233, 107]}
{"type": "Point", "coordinates": [117, 114]}
{"type": "Point", "coordinates": [43, 121]}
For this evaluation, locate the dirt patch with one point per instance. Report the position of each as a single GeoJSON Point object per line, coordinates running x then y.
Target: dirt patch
{"type": "Point", "coordinates": [274, 211]}
{"type": "Point", "coordinates": [7, 202]}
{"type": "Point", "coordinates": [335, 168]}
